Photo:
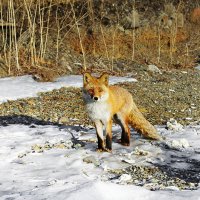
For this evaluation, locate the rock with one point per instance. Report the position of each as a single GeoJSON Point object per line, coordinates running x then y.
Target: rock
{"type": "Point", "coordinates": [185, 144]}
{"type": "Point", "coordinates": [37, 148]}
{"type": "Point", "coordinates": [192, 185]}
{"type": "Point", "coordinates": [140, 152]}
{"type": "Point", "coordinates": [120, 66]}
{"type": "Point", "coordinates": [179, 144]}
{"type": "Point", "coordinates": [154, 68]}
{"type": "Point", "coordinates": [125, 178]}
{"type": "Point", "coordinates": [63, 120]}
{"type": "Point", "coordinates": [197, 67]}
{"type": "Point", "coordinates": [91, 159]}
{"type": "Point", "coordinates": [172, 124]}
{"type": "Point", "coordinates": [64, 63]}
{"type": "Point", "coordinates": [171, 188]}
{"type": "Point", "coordinates": [68, 144]}
{"type": "Point", "coordinates": [60, 146]}
{"type": "Point", "coordinates": [121, 28]}
{"type": "Point", "coordinates": [131, 21]}
{"type": "Point", "coordinates": [77, 146]}
{"type": "Point", "coordinates": [175, 144]}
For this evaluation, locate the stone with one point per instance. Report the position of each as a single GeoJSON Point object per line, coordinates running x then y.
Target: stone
{"type": "Point", "coordinates": [63, 120]}
{"type": "Point", "coordinates": [172, 124]}
{"type": "Point", "coordinates": [91, 159]}
{"type": "Point", "coordinates": [131, 21]}
{"type": "Point", "coordinates": [197, 67]}
{"type": "Point", "coordinates": [172, 188]}
{"type": "Point", "coordinates": [140, 152]}
{"type": "Point", "coordinates": [154, 68]}
{"type": "Point", "coordinates": [125, 178]}
{"type": "Point", "coordinates": [63, 62]}
{"type": "Point", "coordinates": [179, 144]}
{"type": "Point", "coordinates": [184, 143]}
{"type": "Point", "coordinates": [121, 28]}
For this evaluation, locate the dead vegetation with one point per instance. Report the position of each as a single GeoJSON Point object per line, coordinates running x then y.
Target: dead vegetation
{"type": "Point", "coordinates": [48, 38]}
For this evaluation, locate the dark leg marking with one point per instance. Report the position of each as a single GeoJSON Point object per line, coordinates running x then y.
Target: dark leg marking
{"type": "Point", "coordinates": [125, 138]}
{"type": "Point", "coordinates": [100, 143]}
{"type": "Point", "coordinates": [108, 142]}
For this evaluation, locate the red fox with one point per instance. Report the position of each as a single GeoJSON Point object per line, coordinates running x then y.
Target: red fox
{"type": "Point", "coordinates": [105, 103]}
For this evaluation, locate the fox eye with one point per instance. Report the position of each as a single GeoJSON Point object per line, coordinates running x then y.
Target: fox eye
{"type": "Point", "coordinates": [91, 91]}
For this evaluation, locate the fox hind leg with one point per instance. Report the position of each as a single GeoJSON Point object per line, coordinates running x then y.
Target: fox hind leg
{"type": "Point", "coordinates": [125, 136]}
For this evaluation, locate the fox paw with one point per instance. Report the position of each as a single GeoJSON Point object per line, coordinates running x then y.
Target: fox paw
{"type": "Point", "coordinates": [123, 143]}
{"type": "Point", "coordinates": [104, 150]}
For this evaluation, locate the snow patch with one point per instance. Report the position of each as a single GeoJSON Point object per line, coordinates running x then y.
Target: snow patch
{"type": "Point", "coordinates": [83, 173]}
{"type": "Point", "coordinates": [172, 124]}
{"type": "Point", "coordinates": [13, 88]}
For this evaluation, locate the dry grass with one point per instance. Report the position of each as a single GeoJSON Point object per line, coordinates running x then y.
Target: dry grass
{"type": "Point", "coordinates": [37, 33]}
{"type": "Point", "coordinates": [146, 45]}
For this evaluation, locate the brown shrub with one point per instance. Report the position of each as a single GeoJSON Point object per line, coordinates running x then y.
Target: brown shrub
{"type": "Point", "coordinates": [195, 16]}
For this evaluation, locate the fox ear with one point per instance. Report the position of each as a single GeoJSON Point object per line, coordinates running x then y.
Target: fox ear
{"type": "Point", "coordinates": [86, 78]}
{"type": "Point", "coordinates": [104, 78]}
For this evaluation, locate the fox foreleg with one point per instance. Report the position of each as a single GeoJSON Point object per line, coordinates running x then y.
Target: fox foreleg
{"type": "Point", "coordinates": [99, 132]}
{"type": "Point", "coordinates": [109, 135]}
{"type": "Point", "coordinates": [107, 145]}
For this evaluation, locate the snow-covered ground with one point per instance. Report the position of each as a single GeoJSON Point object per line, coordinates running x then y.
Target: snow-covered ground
{"type": "Point", "coordinates": [60, 162]}
{"type": "Point", "coordinates": [48, 162]}
{"type": "Point", "coordinates": [13, 88]}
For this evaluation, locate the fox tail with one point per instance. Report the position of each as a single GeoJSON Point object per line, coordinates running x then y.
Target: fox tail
{"type": "Point", "coordinates": [140, 124]}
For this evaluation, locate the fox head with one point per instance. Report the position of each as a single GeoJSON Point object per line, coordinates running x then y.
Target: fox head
{"type": "Point", "coordinates": [95, 89]}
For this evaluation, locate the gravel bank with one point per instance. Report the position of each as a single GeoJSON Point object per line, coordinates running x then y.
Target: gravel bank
{"type": "Point", "coordinates": [172, 94]}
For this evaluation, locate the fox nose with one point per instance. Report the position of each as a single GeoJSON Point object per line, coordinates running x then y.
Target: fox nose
{"type": "Point", "coordinates": [95, 98]}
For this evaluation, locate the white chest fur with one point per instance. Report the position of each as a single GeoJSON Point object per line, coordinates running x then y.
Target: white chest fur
{"type": "Point", "coordinates": [98, 111]}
